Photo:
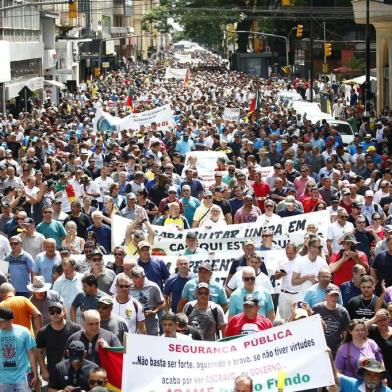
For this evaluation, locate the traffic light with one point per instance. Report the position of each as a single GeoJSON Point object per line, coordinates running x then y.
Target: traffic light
{"type": "Point", "coordinates": [300, 31]}
{"type": "Point", "coordinates": [328, 49]}
{"type": "Point", "coordinates": [286, 3]}
{"type": "Point", "coordinates": [72, 9]}
{"type": "Point", "coordinates": [286, 69]}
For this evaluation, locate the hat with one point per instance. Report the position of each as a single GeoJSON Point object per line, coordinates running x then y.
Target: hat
{"type": "Point", "coordinates": [131, 195]}
{"type": "Point", "coordinates": [6, 314]}
{"type": "Point", "coordinates": [368, 136]}
{"type": "Point", "coordinates": [250, 300]}
{"type": "Point", "coordinates": [268, 231]}
{"type": "Point", "coordinates": [219, 189]}
{"type": "Point", "coordinates": [388, 228]}
{"type": "Point", "coordinates": [205, 265]}
{"type": "Point", "coordinates": [346, 192]}
{"type": "Point", "coordinates": [96, 252]}
{"type": "Point", "coordinates": [218, 173]}
{"type": "Point", "coordinates": [334, 198]}
{"type": "Point", "coordinates": [58, 200]}
{"type": "Point", "coordinates": [249, 242]}
{"type": "Point", "coordinates": [191, 235]}
{"type": "Point", "coordinates": [203, 285]}
{"type": "Point", "coordinates": [172, 189]}
{"type": "Point", "coordinates": [208, 193]}
{"type": "Point", "coordinates": [332, 290]}
{"type": "Point", "coordinates": [106, 300]}
{"type": "Point", "coordinates": [369, 193]}
{"type": "Point", "coordinates": [143, 244]}
{"type": "Point", "coordinates": [64, 249]}
{"type": "Point", "coordinates": [355, 204]}
{"type": "Point", "coordinates": [371, 365]}
{"type": "Point", "coordinates": [76, 351]}
{"type": "Point", "coordinates": [5, 203]}
{"type": "Point", "coordinates": [29, 221]}
{"type": "Point", "coordinates": [38, 285]}
{"type": "Point", "coordinates": [55, 304]}
{"type": "Point", "coordinates": [269, 202]}
{"type": "Point", "coordinates": [300, 313]}
{"type": "Point", "coordinates": [348, 237]}
{"type": "Point", "coordinates": [289, 201]}
{"type": "Point", "coordinates": [371, 148]}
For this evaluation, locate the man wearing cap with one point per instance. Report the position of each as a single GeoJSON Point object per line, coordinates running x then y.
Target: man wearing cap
{"type": "Point", "coordinates": [250, 320]}
{"type": "Point", "coordinates": [174, 285]}
{"type": "Point", "coordinates": [266, 307]}
{"type": "Point", "coordinates": [248, 213]}
{"type": "Point", "coordinates": [205, 314]}
{"type": "Point", "coordinates": [72, 372]}
{"type": "Point", "coordinates": [110, 320]}
{"type": "Point", "coordinates": [173, 217]}
{"type": "Point", "coordinates": [58, 214]}
{"type": "Point", "coordinates": [382, 246]}
{"type": "Point", "coordinates": [267, 242]}
{"type": "Point", "coordinates": [32, 241]}
{"type": "Point", "coordinates": [335, 318]}
{"type": "Point", "coordinates": [171, 198]}
{"type": "Point", "coordinates": [154, 268]}
{"type": "Point", "coordinates": [289, 207]}
{"type": "Point", "coordinates": [132, 210]}
{"type": "Point", "coordinates": [51, 228]}
{"type": "Point", "coordinates": [217, 292]}
{"type": "Point", "coordinates": [16, 355]}
{"type": "Point", "coordinates": [342, 261]}
{"type": "Point", "coordinates": [190, 203]}
{"type": "Point", "coordinates": [104, 275]}
{"type": "Point", "coordinates": [191, 245]}
{"type": "Point", "coordinates": [337, 229]}
{"type": "Point", "coordinates": [42, 295]}
{"type": "Point", "coordinates": [52, 338]}
{"type": "Point", "coordinates": [46, 260]}
{"type": "Point", "coordinates": [203, 211]}
{"type": "Point", "coordinates": [20, 267]}
{"type": "Point", "coordinates": [224, 204]}
{"type": "Point", "coordinates": [369, 207]}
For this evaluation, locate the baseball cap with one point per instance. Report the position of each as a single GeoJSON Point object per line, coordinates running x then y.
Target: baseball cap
{"type": "Point", "coordinates": [191, 235]}
{"type": "Point", "coordinates": [106, 300]}
{"type": "Point", "coordinates": [55, 304]}
{"type": "Point", "coordinates": [208, 193]}
{"type": "Point", "coordinates": [249, 242]}
{"type": "Point", "coordinates": [205, 265]}
{"type": "Point", "coordinates": [76, 351]}
{"type": "Point", "coordinates": [172, 189]}
{"type": "Point", "coordinates": [300, 313]}
{"type": "Point", "coordinates": [371, 365]}
{"type": "Point", "coordinates": [348, 237]}
{"type": "Point", "coordinates": [131, 195]}
{"type": "Point", "coordinates": [219, 189]}
{"type": "Point", "coordinates": [65, 249]}
{"type": "Point", "coordinates": [142, 244]}
{"type": "Point", "coordinates": [346, 192]}
{"type": "Point", "coordinates": [203, 285]}
{"type": "Point", "coordinates": [355, 204]}
{"type": "Point", "coordinates": [29, 221]}
{"type": "Point", "coordinates": [218, 173]}
{"type": "Point", "coordinates": [250, 300]}
{"type": "Point", "coordinates": [388, 228]}
{"type": "Point", "coordinates": [6, 314]}
{"type": "Point", "coordinates": [332, 290]}
{"type": "Point", "coordinates": [371, 148]}
{"type": "Point", "coordinates": [369, 193]}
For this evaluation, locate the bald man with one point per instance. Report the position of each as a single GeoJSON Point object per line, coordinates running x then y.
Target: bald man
{"type": "Point", "coordinates": [46, 260]}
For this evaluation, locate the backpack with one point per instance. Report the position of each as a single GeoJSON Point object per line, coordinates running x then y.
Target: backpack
{"type": "Point", "coordinates": [214, 313]}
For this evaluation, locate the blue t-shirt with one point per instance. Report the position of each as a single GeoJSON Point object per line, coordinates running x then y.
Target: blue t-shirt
{"type": "Point", "coordinates": [19, 269]}
{"type": "Point", "coordinates": [174, 286]}
{"type": "Point", "coordinates": [349, 291]}
{"type": "Point", "coordinates": [155, 270]}
{"type": "Point", "coordinates": [43, 265]}
{"type": "Point", "coordinates": [316, 294]}
{"type": "Point", "coordinates": [103, 235]}
{"type": "Point", "coordinates": [190, 205]}
{"type": "Point", "coordinates": [54, 230]}
{"type": "Point", "coordinates": [350, 384]}
{"type": "Point", "coordinates": [236, 304]}
{"type": "Point", "coordinates": [14, 358]}
{"type": "Point", "coordinates": [217, 292]}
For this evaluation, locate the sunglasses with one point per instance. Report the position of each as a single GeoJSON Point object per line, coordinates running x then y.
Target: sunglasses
{"type": "Point", "coordinates": [123, 286]}
{"type": "Point", "coordinates": [249, 279]}
{"type": "Point", "coordinates": [118, 254]}
{"type": "Point", "coordinates": [95, 382]}
{"type": "Point", "coordinates": [103, 307]}
{"type": "Point", "coordinates": [267, 235]}
{"type": "Point", "coordinates": [96, 259]}
{"type": "Point", "coordinates": [55, 311]}
{"type": "Point", "coordinates": [343, 216]}
{"type": "Point", "coordinates": [318, 246]}
{"type": "Point", "coordinates": [47, 212]}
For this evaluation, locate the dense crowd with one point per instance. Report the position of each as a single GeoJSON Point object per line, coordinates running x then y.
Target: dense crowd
{"type": "Point", "coordinates": [65, 291]}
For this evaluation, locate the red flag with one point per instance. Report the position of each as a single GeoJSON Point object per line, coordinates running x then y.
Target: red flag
{"type": "Point", "coordinates": [111, 359]}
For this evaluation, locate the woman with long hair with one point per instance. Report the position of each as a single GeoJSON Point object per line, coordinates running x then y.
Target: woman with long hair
{"type": "Point", "coordinates": [143, 201]}
{"type": "Point", "coordinates": [356, 345]}
{"type": "Point", "coordinates": [109, 209]}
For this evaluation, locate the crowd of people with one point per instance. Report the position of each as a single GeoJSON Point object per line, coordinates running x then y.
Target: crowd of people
{"type": "Point", "coordinates": [65, 291]}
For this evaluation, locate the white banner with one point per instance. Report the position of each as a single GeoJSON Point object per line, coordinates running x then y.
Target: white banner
{"type": "Point", "coordinates": [231, 114]}
{"type": "Point", "coordinates": [183, 58]}
{"type": "Point", "coordinates": [295, 353]}
{"type": "Point", "coordinates": [171, 241]}
{"type": "Point", "coordinates": [162, 116]}
{"type": "Point", "coordinates": [176, 73]}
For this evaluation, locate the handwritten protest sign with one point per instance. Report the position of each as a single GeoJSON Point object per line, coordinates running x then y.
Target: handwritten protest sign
{"type": "Point", "coordinates": [171, 241]}
{"type": "Point", "coordinates": [157, 364]}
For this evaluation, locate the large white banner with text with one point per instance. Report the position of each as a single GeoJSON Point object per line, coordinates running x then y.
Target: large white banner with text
{"type": "Point", "coordinates": [293, 354]}
{"type": "Point", "coordinates": [176, 73]}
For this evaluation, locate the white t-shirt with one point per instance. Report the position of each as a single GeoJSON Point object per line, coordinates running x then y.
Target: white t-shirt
{"type": "Point", "coordinates": [104, 186]}
{"type": "Point", "coordinates": [131, 314]}
{"type": "Point", "coordinates": [262, 280]}
{"type": "Point", "coordinates": [306, 267]}
{"type": "Point", "coordinates": [288, 266]}
{"type": "Point", "coordinates": [335, 231]}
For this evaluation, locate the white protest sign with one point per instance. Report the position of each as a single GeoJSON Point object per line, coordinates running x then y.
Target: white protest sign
{"type": "Point", "coordinates": [158, 364]}
{"type": "Point", "coordinates": [183, 58]}
{"type": "Point", "coordinates": [171, 241]}
{"type": "Point", "coordinates": [176, 73]}
{"type": "Point", "coordinates": [231, 114]}
{"type": "Point", "coordinates": [162, 116]}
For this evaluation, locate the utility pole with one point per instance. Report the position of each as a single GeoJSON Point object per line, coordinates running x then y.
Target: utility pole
{"type": "Point", "coordinates": [311, 52]}
{"type": "Point", "coordinates": [367, 50]}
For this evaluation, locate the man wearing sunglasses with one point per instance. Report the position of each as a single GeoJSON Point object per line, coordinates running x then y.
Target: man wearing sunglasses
{"type": "Point", "coordinates": [52, 338]}
{"type": "Point", "coordinates": [97, 378]}
{"type": "Point", "coordinates": [236, 305]}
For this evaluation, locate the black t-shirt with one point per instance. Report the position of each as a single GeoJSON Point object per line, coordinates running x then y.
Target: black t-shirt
{"type": "Point", "coordinates": [224, 205]}
{"type": "Point", "coordinates": [241, 262]}
{"type": "Point", "coordinates": [65, 375]}
{"type": "Point", "coordinates": [83, 221]}
{"type": "Point", "coordinates": [359, 308]}
{"type": "Point", "coordinates": [382, 263]}
{"type": "Point", "coordinates": [385, 346]}
{"type": "Point", "coordinates": [54, 342]}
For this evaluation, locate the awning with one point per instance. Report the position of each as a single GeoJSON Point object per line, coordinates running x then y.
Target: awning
{"type": "Point", "coordinates": [358, 80]}
{"type": "Point", "coordinates": [55, 83]}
